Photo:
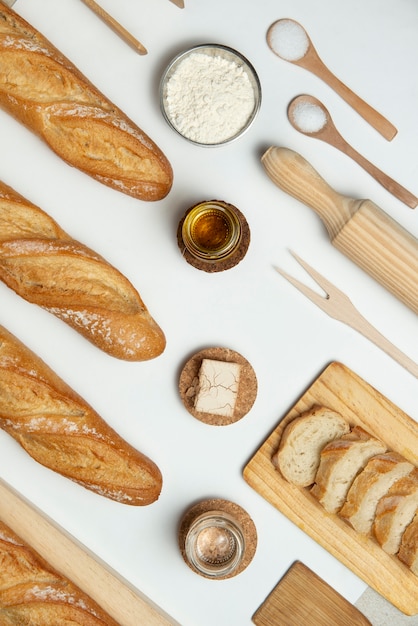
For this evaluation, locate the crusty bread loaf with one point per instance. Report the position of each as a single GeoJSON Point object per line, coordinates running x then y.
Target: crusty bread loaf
{"type": "Point", "coordinates": [373, 482]}
{"type": "Point", "coordinates": [341, 461]}
{"type": "Point", "coordinates": [32, 593]}
{"type": "Point", "coordinates": [61, 431]}
{"type": "Point", "coordinates": [42, 89]}
{"type": "Point", "coordinates": [302, 441]}
{"type": "Point", "coordinates": [44, 265]}
{"type": "Point", "coordinates": [408, 551]}
{"type": "Point", "coordinates": [395, 512]}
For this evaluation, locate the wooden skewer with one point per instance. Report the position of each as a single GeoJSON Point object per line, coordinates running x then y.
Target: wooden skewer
{"type": "Point", "coordinates": [179, 3]}
{"type": "Point", "coordinates": [116, 27]}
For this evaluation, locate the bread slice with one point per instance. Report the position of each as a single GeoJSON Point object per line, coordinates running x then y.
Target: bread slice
{"type": "Point", "coordinates": [408, 551]}
{"type": "Point", "coordinates": [302, 441]}
{"type": "Point", "coordinates": [396, 511]}
{"type": "Point", "coordinates": [341, 461]}
{"type": "Point", "coordinates": [373, 482]}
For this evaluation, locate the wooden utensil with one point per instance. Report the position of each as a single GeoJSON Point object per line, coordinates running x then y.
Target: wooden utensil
{"type": "Point", "coordinates": [118, 597]}
{"type": "Point", "coordinates": [328, 133]}
{"type": "Point", "coordinates": [341, 390]}
{"type": "Point", "coordinates": [302, 597]}
{"type": "Point", "coordinates": [312, 62]}
{"type": "Point", "coordinates": [178, 3]}
{"type": "Point", "coordinates": [358, 228]}
{"type": "Point", "coordinates": [337, 305]}
{"type": "Point", "coordinates": [115, 26]}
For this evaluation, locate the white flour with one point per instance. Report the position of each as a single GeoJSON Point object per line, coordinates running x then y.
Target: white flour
{"type": "Point", "coordinates": [209, 99]}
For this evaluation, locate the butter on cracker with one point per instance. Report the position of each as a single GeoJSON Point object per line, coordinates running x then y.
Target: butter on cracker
{"type": "Point", "coordinates": [218, 387]}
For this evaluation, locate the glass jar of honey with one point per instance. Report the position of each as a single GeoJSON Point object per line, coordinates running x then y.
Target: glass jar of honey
{"type": "Point", "coordinates": [211, 230]}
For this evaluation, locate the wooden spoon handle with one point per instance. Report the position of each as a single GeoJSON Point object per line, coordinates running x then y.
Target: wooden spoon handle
{"type": "Point", "coordinates": [386, 181]}
{"type": "Point", "coordinates": [315, 65]}
{"type": "Point", "coordinates": [358, 228]}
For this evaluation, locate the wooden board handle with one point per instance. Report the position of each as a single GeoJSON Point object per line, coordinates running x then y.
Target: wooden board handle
{"type": "Point", "coordinates": [120, 599]}
{"type": "Point", "coordinates": [294, 175]}
{"type": "Point", "coordinates": [302, 593]}
{"type": "Point", "coordinates": [358, 228]}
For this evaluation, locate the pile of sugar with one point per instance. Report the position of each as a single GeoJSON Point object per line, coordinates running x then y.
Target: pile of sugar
{"type": "Point", "coordinates": [288, 40]}
{"type": "Point", "coordinates": [209, 99]}
{"type": "Point", "coordinates": [308, 117]}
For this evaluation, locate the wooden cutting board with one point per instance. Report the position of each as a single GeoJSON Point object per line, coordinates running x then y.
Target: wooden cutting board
{"type": "Point", "coordinates": [126, 604]}
{"type": "Point", "coordinates": [302, 597]}
{"type": "Point", "coordinates": [342, 390]}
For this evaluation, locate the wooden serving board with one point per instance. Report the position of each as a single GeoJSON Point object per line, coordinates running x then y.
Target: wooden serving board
{"type": "Point", "coordinates": [126, 604]}
{"type": "Point", "coordinates": [302, 597]}
{"type": "Point", "coordinates": [342, 390]}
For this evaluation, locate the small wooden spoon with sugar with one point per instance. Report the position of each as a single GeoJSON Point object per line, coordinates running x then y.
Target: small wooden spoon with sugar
{"type": "Point", "coordinates": [310, 117]}
{"type": "Point", "coordinates": [289, 40]}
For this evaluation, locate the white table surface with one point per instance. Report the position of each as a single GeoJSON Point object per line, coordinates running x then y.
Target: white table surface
{"type": "Point", "coordinates": [372, 46]}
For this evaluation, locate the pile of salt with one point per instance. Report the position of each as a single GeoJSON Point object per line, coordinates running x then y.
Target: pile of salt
{"type": "Point", "coordinates": [288, 40]}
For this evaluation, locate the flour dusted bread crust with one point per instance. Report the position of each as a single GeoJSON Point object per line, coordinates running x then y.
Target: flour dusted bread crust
{"type": "Point", "coordinates": [42, 89]}
{"type": "Point", "coordinates": [32, 593]}
{"type": "Point", "coordinates": [374, 482]}
{"type": "Point", "coordinates": [341, 461]}
{"type": "Point", "coordinates": [395, 512]}
{"type": "Point", "coordinates": [44, 265]}
{"type": "Point", "coordinates": [61, 431]}
{"type": "Point", "coordinates": [408, 550]}
{"type": "Point", "coordinates": [302, 441]}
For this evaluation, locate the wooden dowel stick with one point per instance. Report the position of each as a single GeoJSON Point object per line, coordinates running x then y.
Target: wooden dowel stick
{"type": "Point", "coordinates": [116, 27]}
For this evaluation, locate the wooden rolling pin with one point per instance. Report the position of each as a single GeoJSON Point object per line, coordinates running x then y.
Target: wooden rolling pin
{"type": "Point", "coordinates": [358, 228]}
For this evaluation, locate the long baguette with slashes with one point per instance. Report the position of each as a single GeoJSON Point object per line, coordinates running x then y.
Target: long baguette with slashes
{"type": "Point", "coordinates": [32, 592]}
{"type": "Point", "coordinates": [62, 432]}
{"type": "Point", "coordinates": [43, 90]}
{"type": "Point", "coordinates": [45, 266]}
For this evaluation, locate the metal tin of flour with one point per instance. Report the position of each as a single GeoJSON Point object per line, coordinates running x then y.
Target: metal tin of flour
{"type": "Point", "coordinates": [210, 94]}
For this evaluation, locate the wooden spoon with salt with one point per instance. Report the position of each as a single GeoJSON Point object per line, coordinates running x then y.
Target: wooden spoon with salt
{"type": "Point", "coordinates": [289, 40]}
{"type": "Point", "coordinates": [310, 117]}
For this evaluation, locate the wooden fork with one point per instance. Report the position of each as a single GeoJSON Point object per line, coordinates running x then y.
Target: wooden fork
{"type": "Point", "coordinates": [337, 305]}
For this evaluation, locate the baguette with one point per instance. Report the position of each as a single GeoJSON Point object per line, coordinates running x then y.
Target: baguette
{"type": "Point", "coordinates": [302, 441]}
{"type": "Point", "coordinates": [45, 266]}
{"type": "Point", "coordinates": [43, 90]}
{"type": "Point", "coordinates": [341, 461]}
{"type": "Point", "coordinates": [32, 593]}
{"type": "Point", "coordinates": [62, 432]}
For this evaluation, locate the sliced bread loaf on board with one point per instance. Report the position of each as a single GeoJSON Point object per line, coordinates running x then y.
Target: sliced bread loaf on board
{"type": "Point", "coordinates": [373, 482]}
{"type": "Point", "coordinates": [302, 441]}
{"type": "Point", "coordinates": [395, 512]}
{"type": "Point", "coordinates": [341, 461]}
{"type": "Point", "coordinates": [408, 551]}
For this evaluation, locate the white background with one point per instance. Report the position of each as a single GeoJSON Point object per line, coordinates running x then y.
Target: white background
{"type": "Point", "coordinates": [372, 46]}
